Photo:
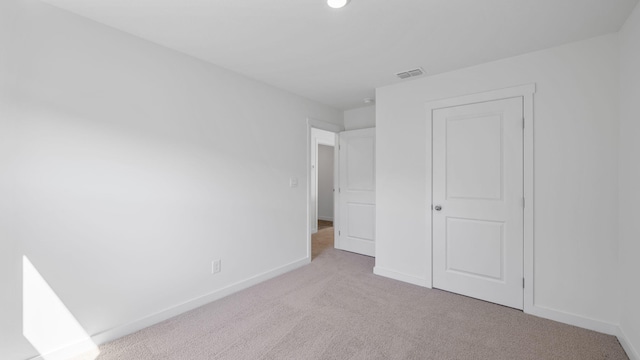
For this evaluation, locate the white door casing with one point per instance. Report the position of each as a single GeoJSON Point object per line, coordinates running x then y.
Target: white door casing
{"type": "Point", "coordinates": [478, 189]}
{"type": "Point", "coordinates": [356, 192]}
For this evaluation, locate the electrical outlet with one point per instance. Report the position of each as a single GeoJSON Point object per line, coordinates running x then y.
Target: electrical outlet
{"type": "Point", "coordinates": [216, 266]}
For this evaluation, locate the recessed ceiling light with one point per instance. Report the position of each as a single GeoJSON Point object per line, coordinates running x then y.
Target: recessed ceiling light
{"type": "Point", "coordinates": [337, 4]}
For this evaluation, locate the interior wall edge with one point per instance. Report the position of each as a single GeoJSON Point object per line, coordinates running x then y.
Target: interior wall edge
{"type": "Point", "coordinates": [580, 321]}
{"type": "Point", "coordinates": [539, 311]}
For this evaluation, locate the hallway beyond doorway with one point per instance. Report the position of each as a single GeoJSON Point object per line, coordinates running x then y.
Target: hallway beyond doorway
{"type": "Point", "coordinates": [323, 239]}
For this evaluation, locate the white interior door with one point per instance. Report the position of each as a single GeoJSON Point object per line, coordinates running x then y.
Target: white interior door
{"type": "Point", "coordinates": [355, 230]}
{"type": "Point", "coordinates": [478, 200]}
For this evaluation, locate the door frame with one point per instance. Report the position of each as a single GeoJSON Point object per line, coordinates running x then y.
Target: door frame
{"type": "Point", "coordinates": [334, 128]}
{"type": "Point", "coordinates": [526, 92]}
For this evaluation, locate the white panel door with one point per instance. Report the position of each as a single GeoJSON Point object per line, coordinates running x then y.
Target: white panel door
{"type": "Point", "coordinates": [478, 200]}
{"type": "Point", "coordinates": [356, 192]}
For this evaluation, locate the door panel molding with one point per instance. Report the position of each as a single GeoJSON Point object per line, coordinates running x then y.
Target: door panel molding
{"type": "Point", "coordinates": [478, 234]}
{"type": "Point", "coordinates": [527, 92]}
{"type": "Point", "coordinates": [356, 192]}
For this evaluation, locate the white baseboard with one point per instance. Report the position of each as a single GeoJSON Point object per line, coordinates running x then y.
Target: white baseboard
{"type": "Point", "coordinates": [632, 352]}
{"type": "Point", "coordinates": [129, 328]}
{"type": "Point", "coordinates": [168, 313]}
{"type": "Point", "coordinates": [400, 276]}
{"type": "Point", "coordinates": [540, 311]}
{"type": "Point", "coordinates": [574, 319]}
{"type": "Point", "coordinates": [325, 218]}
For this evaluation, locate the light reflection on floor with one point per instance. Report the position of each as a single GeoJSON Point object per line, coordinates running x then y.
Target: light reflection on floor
{"type": "Point", "coordinates": [47, 323]}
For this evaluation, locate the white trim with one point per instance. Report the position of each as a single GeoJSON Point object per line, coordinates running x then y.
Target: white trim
{"type": "Point", "coordinates": [323, 125]}
{"type": "Point", "coordinates": [313, 187]}
{"type": "Point", "coordinates": [115, 333]}
{"type": "Point", "coordinates": [590, 324]}
{"type": "Point", "coordinates": [528, 157]}
{"type": "Point", "coordinates": [632, 353]}
{"type": "Point", "coordinates": [336, 191]}
{"type": "Point", "coordinates": [168, 313]}
{"type": "Point", "coordinates": [526, 92]}
{"type": "Point", "coordinates": [392, 274]}
{"type": "Point", "coordinates": [506, 93]}
{"type": "Point", "coordinates": [325, 218]}
{"type": "Point", "coordinates": [575, 320]}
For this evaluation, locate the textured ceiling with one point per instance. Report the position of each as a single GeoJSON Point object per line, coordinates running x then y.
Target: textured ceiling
{"type": "Point", "coordinates": [338, 57]}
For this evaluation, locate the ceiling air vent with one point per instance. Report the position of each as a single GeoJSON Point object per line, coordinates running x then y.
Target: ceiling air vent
{"type": "Point", "coordinates": [410, 73]}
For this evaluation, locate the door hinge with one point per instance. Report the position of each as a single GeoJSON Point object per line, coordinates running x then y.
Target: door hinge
{"type": "Point", "coordinates": [523, 283]}
{"type": "Point", "coordinates": [338, 232]}
{"type": "Point", "coordinates": [339, 190]}
{"type": "Point", "coordinates": [523, 123]}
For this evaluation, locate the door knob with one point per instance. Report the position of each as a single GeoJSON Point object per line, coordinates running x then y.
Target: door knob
{"type": "Point", "coordinates": [437, 208]}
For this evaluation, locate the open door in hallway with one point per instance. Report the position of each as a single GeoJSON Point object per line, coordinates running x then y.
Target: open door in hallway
{"type": "Point", "coordinates": [355, 230]}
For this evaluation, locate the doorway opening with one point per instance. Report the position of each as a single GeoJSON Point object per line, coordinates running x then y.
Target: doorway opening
{"type": "Point", "coordinates": [353, 186]}
{"type": "Point", "coordinates": [321, 194]}
{"type": "Point", "coordinates": [324, 165]}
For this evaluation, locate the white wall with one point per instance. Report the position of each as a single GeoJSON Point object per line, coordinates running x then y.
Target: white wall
{"type": "Point", "coordinates": [127, 168]}
{"type": "Point", "coordinates": [360, 118]}
{"type": "Point", "coordinates": [576, 206]}
{"type": "Point", "coordinates": [12, 344]}
{"type": "Point", "coordinates": [325, 182]}
{"type": "Point", "coordinates": [629, 180]}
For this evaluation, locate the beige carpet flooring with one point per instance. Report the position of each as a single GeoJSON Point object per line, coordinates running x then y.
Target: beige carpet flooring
{"type": "Point", "coordinates": [335, 308]}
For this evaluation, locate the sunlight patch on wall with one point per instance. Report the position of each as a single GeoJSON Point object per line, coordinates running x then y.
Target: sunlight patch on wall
{"type": "Point", "coordinates": [47, 323]}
